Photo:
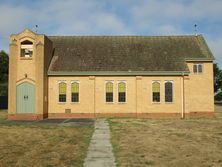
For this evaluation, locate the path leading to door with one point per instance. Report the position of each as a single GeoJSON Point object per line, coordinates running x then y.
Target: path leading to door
{"type": "Point", "coordinates": [100, 149]}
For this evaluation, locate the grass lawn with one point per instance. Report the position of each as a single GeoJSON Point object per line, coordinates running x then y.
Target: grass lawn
{"type": "Point", "coordinates": [41, 145]}
{"type": "Point", "coordinates": [171, 142]}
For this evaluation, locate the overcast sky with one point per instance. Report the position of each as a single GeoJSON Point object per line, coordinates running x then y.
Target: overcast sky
{"type": "Point", "coordinates": [114, 17]}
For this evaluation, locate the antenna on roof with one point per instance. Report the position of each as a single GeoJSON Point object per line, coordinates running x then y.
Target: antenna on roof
{"type": "Point", "coordinates": [36, 28]}
{"type": "Point", "coordinates": [195, 29]}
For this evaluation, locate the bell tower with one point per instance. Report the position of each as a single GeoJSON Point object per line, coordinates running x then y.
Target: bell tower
{"type": "Point", "coordinates": [30, 55]}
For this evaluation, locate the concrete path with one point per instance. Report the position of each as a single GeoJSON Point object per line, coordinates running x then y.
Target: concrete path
{"type": "Point", "coordinates": [100, 149]}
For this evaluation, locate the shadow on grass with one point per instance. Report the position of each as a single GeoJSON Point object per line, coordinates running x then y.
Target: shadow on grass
{"type": "Point", "coordinates": [45, 122]}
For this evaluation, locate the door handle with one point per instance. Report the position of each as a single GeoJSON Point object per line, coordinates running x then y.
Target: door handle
{"type": "Point", "coordinates": [26, 97]}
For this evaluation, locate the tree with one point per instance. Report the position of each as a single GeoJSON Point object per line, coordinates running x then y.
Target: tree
{"type": "Point", "coordinates": [218, 97]}
{"type": "Point", "coordinates": [217, 78]}
{"type": "Point", "coordinates": [4, 61]}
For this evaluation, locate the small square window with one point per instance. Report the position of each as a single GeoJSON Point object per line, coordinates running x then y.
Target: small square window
{"type": "Point", "coordinates": [197, 68]}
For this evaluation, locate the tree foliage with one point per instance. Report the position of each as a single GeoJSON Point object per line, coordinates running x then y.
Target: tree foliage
{"type": "Point", "coordinates": [217, 78]}
{"type": "Point", "coordinates": [4, 60]}
{"type": "Point", "coordinates": [218, 97]}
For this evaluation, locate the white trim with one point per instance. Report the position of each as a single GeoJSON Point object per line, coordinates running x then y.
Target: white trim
{"type": "Point", "coordinates": [106, 81]}
{"type": "Point", "coordinates": [61, 81]}
{"type": "Point", "coordinates": [153, 102]}
{"type": "Point", "coordinates": [27, 46]}
{"type": "Point", "coordinates": [171, 81]}
{"type": "Point", "coordinates": [119, 81]}
{"type": "Point", "coordinates": [71, 82]}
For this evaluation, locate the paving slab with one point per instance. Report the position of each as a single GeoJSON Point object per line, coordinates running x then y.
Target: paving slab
{"type": "Point", "coordinates": [100, 151]}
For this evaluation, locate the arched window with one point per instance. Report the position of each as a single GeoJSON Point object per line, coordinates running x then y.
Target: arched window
{"type": "Point", "coordinates": [109, 92]}
{"type": "Point", "coordinates": [168, 92]}
{"type": "Point", "coordinates": [62, 92]}
{"type": "Point", "coordinates": [26, 49]}
{"type": "Point", "coordinates": [122, 92]}
{"type": "Point", "coordinates": [156, 91]}
{"type": "Point", "coordinates": [75, 91]}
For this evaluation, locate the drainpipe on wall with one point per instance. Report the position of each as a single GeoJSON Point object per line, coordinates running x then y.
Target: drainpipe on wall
{"type": "Point", "coordinates": [136, 96]}
{"type": "Point", "coordinates": [183, 104]}
{"type": "Point", "coordinates": [94, 97]}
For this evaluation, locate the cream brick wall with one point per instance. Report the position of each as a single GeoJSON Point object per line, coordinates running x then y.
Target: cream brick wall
{"type": "Point", "coordinates": [144, 97]}
{"type": "Point", "coordinates": [139, 95]}
{"type": "Point", "coordinates": [199, 93]}
{"type": "Point", "coordinates": [86, 95]}
{"type": "Point", "coordinates": [32, 70]}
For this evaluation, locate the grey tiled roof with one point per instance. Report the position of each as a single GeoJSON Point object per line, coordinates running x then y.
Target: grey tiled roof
{"type": "Point", "coordinates": [126, 53]}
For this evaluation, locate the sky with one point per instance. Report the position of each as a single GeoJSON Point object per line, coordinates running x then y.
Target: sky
{"type": "Point", "coordinates": [114, 17]}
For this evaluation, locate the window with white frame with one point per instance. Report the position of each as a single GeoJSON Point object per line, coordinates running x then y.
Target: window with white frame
{"type": "Point", "coordinates": [109, 91]}
{"type": "Point", "coordinates": [156, 91]}
{"type": "Point", "coordinates": [121, 91]}
{"type": "Point", "coordinates": [62, 91]}
{"type": "Point", "coordinates": [168, 91]}
{"type": "Point", "coordinates": [74, 91]}
{"type": "Point", "coordinates": [26, 49]}
{"type": "Point", "coordinates": [197, 68]}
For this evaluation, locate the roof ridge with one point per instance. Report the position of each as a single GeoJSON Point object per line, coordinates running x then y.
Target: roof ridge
{"type": "Point", "coordinates": [154, 36]}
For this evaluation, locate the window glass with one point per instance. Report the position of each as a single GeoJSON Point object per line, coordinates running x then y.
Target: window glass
{"type": "Point", "coordinates": [121, 92]}
{"type": "Point", "coordinates": [156, 91]}
{"type": "Point", "coordinates": [195, 68]}
{"type": "Point", "coordinates": [109, 92]}
{"type": "Point", "coordinates": [75, 92]}
{"type": "Point", "coordinates": [168, 92]}
{"type": "Point", "coordinates": [200, 68]}
{"type": "Point", "coordinates": [62, 92]}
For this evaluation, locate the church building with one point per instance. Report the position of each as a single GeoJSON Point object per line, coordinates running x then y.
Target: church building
{"type": "Point", "coordinates": [100, 76]}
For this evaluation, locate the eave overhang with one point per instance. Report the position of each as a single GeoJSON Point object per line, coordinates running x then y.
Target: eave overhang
{"type": "Point", "coordinates": [118, 73]}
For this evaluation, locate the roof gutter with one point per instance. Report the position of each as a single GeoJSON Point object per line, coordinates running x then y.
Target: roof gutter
{"type": "Point", "coordinates": [200, 59]}
{"type": "Point", "coordinates": [118, 73]}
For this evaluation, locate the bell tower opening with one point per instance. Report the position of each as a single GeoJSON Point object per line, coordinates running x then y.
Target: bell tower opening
{"type": "Point", "coordinates": [26, 49]}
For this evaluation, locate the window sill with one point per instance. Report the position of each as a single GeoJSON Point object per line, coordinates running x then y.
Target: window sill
{"type": "Point", "coordinates": [156, 102]}
{"type": "Point", "coordinates": [121, 102]}
{"type": "Point", "coordinates": [74, 103]}
{"type": "Point", "coordinates": [198, 73]}
{"type": "Point", "coordinates": [61, 103]}
{"type": "Point", "coordinates": [109, 102]}
{"type": "Point", "coordinates": [169, 102]}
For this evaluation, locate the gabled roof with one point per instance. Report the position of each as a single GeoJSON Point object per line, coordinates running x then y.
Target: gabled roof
{"type": "Point", "coordinates": [126, 54]}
